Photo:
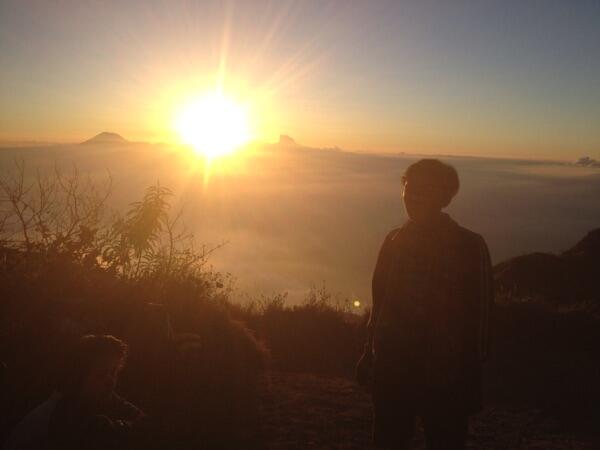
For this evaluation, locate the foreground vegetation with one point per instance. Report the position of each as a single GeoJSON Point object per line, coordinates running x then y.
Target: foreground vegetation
{"type": "Point", "coordinates": [70, 266]}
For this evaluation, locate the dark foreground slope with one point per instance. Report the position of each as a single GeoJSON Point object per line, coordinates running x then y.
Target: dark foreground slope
{"type": "Point", "coordinates": [199, 374]}
{"type": "Point", "coordinates": [307, 411]}
{"type": "Point", "coordinates": [570, 277]}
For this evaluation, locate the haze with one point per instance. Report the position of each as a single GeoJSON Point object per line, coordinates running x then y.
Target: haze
{"type": "Point", "coordinates": [294, 216]}
{"type": "Point", "coordinates": [512, 78]}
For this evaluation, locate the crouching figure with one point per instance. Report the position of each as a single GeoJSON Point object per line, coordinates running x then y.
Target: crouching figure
{"type": "Point", "coordinates": [85, 413]}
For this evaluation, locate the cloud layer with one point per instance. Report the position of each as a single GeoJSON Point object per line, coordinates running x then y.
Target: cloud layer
{"type": "Point", "coordinates": [293, 216]}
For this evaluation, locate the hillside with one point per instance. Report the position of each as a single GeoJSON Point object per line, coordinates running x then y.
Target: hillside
{"type": "Point", "coordinates": [209, 354]}
{"type": "Point", "coordinates": [565, 278]}
{"type": "Point", "coordinates": [304, 411]}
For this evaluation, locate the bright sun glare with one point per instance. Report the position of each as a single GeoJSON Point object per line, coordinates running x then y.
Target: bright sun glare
{"type": "Point", "coordinates": [213, 125]}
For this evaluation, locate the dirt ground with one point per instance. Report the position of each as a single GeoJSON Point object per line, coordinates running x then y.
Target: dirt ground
{"type": "Point", "coordinates": [305, 411]}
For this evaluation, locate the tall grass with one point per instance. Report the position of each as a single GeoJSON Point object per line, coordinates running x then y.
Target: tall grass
{"type": "Point", "coordinates": [321, 334]}
{"type": "Point", "coordinates": [69, 266]}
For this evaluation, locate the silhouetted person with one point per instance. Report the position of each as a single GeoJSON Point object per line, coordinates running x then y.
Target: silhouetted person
{"type": "Point", "coordinates": [85, 413]}
{"type": "Point", "coordinates": [428, 330]}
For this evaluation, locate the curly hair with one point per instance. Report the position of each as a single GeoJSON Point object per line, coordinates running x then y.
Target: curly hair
{"type": "Point", "coordinates": [86, 352]}
{"type": "Point", "coordinates": [438, 174]}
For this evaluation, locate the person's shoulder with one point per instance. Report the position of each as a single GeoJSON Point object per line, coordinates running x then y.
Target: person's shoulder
{"type": "Point", "coordinates": [471, 239]}
{"type": "Point", "coordinates": [468, 234]}
{"type": "Point", "coordinates": [123, 409]}
{"type": "Point", "coordinates": [32, 431]}
{"type": "Point", "coordinates": [397, 233]}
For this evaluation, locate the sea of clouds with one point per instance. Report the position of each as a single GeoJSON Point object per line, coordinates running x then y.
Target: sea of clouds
{"type": "Point", "coordinates": [294, 217]}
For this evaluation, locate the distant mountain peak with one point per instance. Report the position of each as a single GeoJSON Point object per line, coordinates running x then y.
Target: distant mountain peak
{"type": "Point", "coordinates": [106, 138]}
{"type": "Point", "coordinates": [284, 139]}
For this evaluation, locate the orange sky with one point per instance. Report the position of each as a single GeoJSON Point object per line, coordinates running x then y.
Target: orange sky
{"type": "Point", "coordinates": [505, 81]}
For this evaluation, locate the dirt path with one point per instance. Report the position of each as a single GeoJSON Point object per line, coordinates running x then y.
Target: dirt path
{"type": "Point", "coordinates": [303, 411]}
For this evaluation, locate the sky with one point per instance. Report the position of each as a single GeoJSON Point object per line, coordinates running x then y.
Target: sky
{"type": "Point", "coordinates": [515, 78]}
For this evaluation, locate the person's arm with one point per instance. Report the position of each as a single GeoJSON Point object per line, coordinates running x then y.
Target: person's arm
{"type": "Point", "coordinates": [378, 287]}
{"type": "Point", "coordinates": [486, 298]}
{"type": "Point", "coordinates": [364, 365]}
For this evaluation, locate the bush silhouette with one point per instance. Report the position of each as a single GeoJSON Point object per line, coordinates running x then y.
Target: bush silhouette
{"type": "Point", "coordinates": [318, 335]}
{"type": "Point", "coordinates": [68, 267]}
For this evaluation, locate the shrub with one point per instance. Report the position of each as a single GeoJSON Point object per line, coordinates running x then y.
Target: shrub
{"type": "Point", "coordinates": [318, 335]}
{"type": "Point", "coordinates": [69, 266]}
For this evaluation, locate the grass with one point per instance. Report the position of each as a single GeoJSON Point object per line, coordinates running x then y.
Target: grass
{"type": "Point", "coordinates": [215, 374]}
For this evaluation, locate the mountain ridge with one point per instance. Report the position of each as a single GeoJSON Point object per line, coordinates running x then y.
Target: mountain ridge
{"type": "Point", "coordinates": [106, 137]}
{"type": "Point", "coordinates": [564, 278]}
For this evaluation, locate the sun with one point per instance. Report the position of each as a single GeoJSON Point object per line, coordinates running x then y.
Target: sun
{"type": "Point", "coordinates": [213, 125]}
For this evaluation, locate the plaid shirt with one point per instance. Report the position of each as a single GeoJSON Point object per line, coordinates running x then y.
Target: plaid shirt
{"type": "Point", "coordinates": [432, 294]}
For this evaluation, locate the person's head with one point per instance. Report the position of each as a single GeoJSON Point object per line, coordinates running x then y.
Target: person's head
{"type": "Point", "coordinates": [429, 186]}
{"type": "Point", "coordinates": [95, 366]}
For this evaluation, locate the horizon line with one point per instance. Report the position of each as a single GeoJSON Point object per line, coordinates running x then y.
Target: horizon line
{"type": "Point", "coordinates": [28, 143]}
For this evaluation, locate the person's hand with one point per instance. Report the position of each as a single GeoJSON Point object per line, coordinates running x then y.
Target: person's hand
{"type": "Point", "coordinates": [364, 368]}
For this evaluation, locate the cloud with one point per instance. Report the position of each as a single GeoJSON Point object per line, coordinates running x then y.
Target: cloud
{"type": "Point", "coordinates": [586, 161]}
{"type": "Point", "coordinates": [295, 216]}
